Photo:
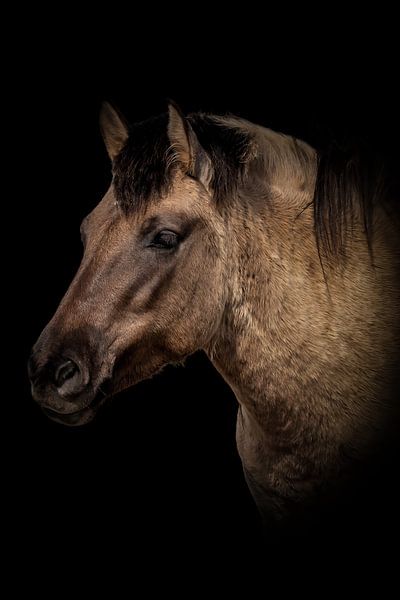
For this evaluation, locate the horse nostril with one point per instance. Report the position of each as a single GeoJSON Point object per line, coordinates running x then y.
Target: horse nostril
{"type": "Point", "coordinates": [67, 370]}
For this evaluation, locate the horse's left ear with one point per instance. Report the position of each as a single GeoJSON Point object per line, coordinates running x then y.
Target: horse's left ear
{"type": "Point", "coordinates": [187, 147]}
{"type": "Point", "coordinates": [113, 129]}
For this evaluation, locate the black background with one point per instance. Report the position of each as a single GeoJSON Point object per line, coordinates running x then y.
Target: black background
{"type": "Point", "coordinates": [158, 470]}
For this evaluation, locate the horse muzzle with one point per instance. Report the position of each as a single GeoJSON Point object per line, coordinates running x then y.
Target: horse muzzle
{"type": "Point", "coordinates": [65, 384]}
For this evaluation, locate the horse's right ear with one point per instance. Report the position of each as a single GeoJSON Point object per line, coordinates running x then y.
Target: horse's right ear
{"type": "Point", "coordinates": [186, 146]}
{"type": "Point", "coordinates": [113, 129]}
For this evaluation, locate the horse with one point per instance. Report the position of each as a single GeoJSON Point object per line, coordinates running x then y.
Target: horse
{"type": "Point", "coordinates": [220, 235]}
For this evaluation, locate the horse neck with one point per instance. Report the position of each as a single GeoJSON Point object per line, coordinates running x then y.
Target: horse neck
{"type": "Point", "coordinates": [285, 336]}
{"type": "Point", "coordinates": [272, 251]}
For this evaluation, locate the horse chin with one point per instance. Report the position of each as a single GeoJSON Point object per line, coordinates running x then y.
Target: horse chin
{"type": "Point", "coordinates": [78, 418]}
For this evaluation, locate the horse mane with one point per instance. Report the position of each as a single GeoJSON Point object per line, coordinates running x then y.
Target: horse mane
{"type": "Point", "coordinates": [351, 179]}
{"type": "Point", "coordinates": [348, 181]}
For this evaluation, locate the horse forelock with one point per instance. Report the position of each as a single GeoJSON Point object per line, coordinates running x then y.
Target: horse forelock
{"type": "Point", "coordinates": [146, 166]}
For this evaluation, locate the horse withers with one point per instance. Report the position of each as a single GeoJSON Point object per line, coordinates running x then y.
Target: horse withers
{"type": "Point", "coordinates": [221, 235]}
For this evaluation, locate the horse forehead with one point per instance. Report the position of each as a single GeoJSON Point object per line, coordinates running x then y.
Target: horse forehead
{"type": "Point", "coordinates": [184, 196]}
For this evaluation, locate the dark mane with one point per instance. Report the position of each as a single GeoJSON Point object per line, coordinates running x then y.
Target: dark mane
{"type": "Point", "coordinates": [349, 179]}
{"type": "Point", "coordinates": [145, 167]}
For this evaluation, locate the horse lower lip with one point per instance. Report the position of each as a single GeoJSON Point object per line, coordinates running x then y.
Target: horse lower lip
{"type": "Point", "coordinates": [66, 418]}
{"type": "Point", "coordinates": [73, 417]}
{"type": "Point", "coordinates": [54, 413]}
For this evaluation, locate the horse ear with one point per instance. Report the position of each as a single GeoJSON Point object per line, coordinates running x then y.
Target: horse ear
{"type": "Point", "coordinates": [113, 128]}
{"type": "Point", "coordinates": [186, 146]}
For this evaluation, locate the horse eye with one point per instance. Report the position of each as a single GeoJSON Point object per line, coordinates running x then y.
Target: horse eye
{"type": "Point", "coordinates": [165, 239]}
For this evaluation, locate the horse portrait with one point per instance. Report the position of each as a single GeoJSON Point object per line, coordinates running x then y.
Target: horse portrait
{"type": "Point", "coordinates": [220, 235]}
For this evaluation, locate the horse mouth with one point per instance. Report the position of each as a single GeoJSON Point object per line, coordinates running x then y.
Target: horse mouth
{"type": "Point", "coordinates": [79, 417]}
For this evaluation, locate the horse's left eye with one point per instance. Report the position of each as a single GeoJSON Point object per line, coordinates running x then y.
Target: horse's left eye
{"type": "Point", "coordinates": [165, 239]}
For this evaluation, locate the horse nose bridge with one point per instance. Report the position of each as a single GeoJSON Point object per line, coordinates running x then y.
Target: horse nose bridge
{"type": "Point", "coordinates": [83, 313]}
{"type": "Point", "coordinates": [80, 308]}
{"type": "Point", "coordinates": [79, 326]}
{"type": "Point", "coordinates": [88, 296]}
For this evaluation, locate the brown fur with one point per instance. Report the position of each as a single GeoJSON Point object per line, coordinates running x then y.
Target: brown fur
{"type": "Point", "coordinates": [311, 357]}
